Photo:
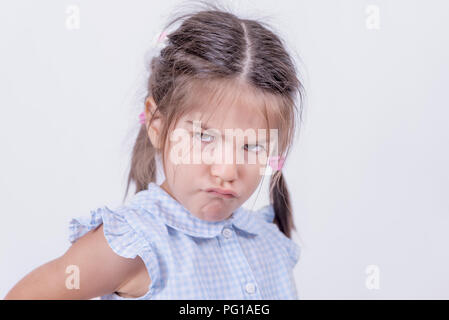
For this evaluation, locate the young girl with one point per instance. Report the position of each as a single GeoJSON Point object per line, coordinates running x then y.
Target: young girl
{"type": "Point", "coordinates": [190, 237]}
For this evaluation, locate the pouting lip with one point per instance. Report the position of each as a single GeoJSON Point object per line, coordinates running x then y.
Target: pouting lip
{"type": "Point", "coordinates": [222, 191]}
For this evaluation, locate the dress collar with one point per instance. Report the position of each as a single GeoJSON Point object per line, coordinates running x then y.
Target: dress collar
{"type": "Point", "coordinates": [157, 201]}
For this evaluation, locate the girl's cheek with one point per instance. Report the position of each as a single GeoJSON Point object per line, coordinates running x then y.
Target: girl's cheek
{"type": "Point", "coordinates": [256, 158]}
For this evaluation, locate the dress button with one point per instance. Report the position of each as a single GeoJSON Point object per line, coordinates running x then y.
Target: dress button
{"type": "Point", "coordinates": [250, 288]}
{"type": "Point", "coordinates": [227, 233]}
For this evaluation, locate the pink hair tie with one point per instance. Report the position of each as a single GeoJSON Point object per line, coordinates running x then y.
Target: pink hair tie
{"type": "Point", "coordinates": [276, 162]}
{"type": "Point", "coordinates": [142, 117]}
{"type": "Point", "coordinates": [162, 37]}
{"type": "Point", "coordinates": [160, 40]}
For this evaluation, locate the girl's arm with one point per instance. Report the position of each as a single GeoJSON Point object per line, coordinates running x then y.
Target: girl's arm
{"type": "Point", "coordinates": [101, 271]}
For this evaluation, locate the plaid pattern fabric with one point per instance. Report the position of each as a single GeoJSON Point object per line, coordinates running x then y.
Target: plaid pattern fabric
{"type": "Point", "coordinates": [243, 257]}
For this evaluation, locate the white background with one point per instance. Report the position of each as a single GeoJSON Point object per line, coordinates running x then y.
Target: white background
{"type": "Point", "coordinates": [368, 177]}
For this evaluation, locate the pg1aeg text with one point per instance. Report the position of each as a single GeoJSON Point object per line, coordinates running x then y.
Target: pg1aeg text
{"type": "Point", "coordinates": [226, 309]}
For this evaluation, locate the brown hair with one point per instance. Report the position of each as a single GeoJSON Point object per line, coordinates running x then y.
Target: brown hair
{"type": "Point", "coordinates": [214, 48]}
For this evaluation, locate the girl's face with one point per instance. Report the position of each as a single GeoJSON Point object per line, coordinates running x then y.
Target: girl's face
{"type": "Point", "coordinates": [197, 159]}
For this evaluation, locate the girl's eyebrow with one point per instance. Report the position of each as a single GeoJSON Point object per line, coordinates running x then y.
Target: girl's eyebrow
{"type": "Point", "coordinates": [204, 127]}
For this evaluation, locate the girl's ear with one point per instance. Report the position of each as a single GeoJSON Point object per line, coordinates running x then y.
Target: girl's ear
{"type": "Point", "coordinates": [154, 122]}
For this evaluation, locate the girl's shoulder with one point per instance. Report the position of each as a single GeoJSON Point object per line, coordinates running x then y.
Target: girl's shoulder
{"type": "Point", "coordinates": [124, 227]}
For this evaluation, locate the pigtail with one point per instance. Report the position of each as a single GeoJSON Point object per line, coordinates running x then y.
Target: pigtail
{"type": "Point", "coordinates": [143, 162]}
{"type": "Point", "coordinates": [280, 199]}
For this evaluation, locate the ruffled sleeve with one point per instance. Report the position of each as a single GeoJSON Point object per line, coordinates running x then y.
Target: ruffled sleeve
{"type": "Point", "coordinates": [292, 248]}
{"type": "Point", "coordinates": [123, 239]}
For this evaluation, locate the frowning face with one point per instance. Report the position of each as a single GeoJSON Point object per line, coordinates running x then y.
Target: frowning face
{"type": "Point", "coordinates": [225, 150]}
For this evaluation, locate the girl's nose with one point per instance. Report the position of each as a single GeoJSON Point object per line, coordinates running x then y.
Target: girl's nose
{"type": "Point", "coordinates": [224, 167]}
{"type": "Point", "coordinates": [224, 171]}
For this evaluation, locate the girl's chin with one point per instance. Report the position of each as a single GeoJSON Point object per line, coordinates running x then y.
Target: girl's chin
{"type": "Point", "coordinates": [215, 210]}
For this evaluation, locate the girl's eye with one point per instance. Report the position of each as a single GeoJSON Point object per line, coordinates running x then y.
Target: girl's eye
{"type": "Point", "coordinates": [255, 145]}
{"type": "Point", "coordinates": [202, 135]}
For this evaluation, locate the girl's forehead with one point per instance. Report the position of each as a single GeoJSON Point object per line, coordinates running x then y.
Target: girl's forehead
{"type": "Point", "coordinates": [234, 108]}
{"type": "Point", "coordinates": [232, 117]}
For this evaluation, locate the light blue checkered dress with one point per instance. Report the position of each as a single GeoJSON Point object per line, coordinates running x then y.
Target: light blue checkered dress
{"type": "Point", "coordinates": [242, 257]}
